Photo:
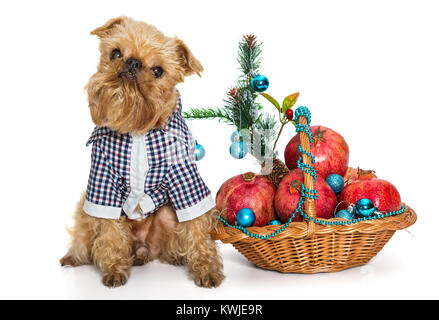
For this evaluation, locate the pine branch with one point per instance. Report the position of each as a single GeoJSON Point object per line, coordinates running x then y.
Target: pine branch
{"type": "Point", "coordinates": [208, 113]}
{"type": "Point", "coordinates": [268, 122]}
{"type": "Point", "coordinates": [249, 55]}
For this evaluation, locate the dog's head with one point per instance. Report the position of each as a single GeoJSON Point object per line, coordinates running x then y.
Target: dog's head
{"type": "Point", "coordinates": [134, 86]}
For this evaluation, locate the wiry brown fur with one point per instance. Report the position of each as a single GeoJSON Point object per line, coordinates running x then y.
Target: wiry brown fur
{"type": "Point", "coordinates": [138, 105]}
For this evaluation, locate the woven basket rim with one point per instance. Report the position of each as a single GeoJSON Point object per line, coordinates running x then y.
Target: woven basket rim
{"type": "Point", "coordinates": [299, 230]}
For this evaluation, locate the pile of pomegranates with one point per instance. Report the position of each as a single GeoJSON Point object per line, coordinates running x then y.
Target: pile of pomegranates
{"type": "Point", "coordinates": [331, 153]}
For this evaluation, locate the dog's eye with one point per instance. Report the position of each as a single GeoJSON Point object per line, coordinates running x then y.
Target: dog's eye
{"type": "Point", "coordinates": [157, 71]}
{"type": "Point", "coordinates": [115, 54]}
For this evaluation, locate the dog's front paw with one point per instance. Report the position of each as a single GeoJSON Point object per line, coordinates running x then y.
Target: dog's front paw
{"type": "Point", "coordinates": [175, 260]}
{"type": "Point", "coordinates": [210, 280]}
{"type": "Point", "coordinates": [114, 279]}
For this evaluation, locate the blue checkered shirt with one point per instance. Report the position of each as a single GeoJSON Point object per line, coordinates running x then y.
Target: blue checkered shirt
{"type": "Point", "coordinates": [131, 172]}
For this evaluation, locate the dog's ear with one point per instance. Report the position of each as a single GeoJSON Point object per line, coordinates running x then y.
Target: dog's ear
{"type": "Point", "coordinates": [108, 27]}
{"type": "Point", "coordinates": [187, 60]}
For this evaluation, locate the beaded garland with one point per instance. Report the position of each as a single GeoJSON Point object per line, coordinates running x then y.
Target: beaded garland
{"type": "Point", "coordinates": [307, 193]}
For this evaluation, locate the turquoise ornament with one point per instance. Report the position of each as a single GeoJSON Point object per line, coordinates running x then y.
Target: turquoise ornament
{"type": "Point", "coordinates": [336, 182]}
{"type": "Point", "coordinates": [236, 136]}
{"type": "Point", "coordinates": [200, 152]}
{"type": "Point", "coordinates": [260, 83]}
{"type": "Point", "coordinates": [364, 207]}
{"type": "Point", "coordinates": [274, 223]}
{"type": "Point", "coordinates": [238, 150]}
{"type": "Point", "coordinates": [245, 217]}
{"type": "Point", "coordinates": [344, 214]}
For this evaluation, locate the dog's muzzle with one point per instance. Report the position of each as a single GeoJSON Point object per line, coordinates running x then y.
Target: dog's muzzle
{"type": "Point", "coordinates": [132, 65]}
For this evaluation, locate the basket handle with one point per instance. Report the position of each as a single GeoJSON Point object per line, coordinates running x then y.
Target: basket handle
{"type": "Point", "coordinates": [309, 204]}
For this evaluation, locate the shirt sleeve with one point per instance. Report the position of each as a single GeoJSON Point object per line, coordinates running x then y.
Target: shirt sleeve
{"type": "Point", "coordinates": [187, 191]}
{"type": "Point", "coordinates": [102, 198]}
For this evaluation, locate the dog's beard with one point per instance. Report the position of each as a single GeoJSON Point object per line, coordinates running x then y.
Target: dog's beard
{"type": "Point", "coordinates": [121, 104]}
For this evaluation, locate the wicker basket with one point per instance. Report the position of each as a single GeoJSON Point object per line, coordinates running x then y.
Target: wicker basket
{"type": "Point", "coordinates": [307, 247]}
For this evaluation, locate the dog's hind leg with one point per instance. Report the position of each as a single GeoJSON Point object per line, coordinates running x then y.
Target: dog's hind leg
{"type": "Point", "coordinates": [172, 250]}
{"type": "Point", "coordinates": [81, 240]}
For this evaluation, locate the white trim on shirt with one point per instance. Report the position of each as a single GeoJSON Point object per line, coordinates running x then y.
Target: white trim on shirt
{"type": "Point", "coordinates": [138, 171]}
{"type": "Point", "coordinates": [100, 211]}
{"type": "Point", "coordinates": [196, 210]}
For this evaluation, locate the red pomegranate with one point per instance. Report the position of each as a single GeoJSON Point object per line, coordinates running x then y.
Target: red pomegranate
{"type": "Point", "coordinates": [382, 193]}
{"type": "Point", "coordinates": [247, 190]}
{"type": "Point", "coordinates": [288, 194]}
{"type": "Point", "coordinates": [329, 148]}
{"type": "Point", "coordinates": [354, 174]}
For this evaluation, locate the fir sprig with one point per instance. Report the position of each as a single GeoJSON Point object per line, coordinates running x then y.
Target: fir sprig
{"type": "Point", "coordinates": [249, 56]}
{"type": "Point", "coordinates": [208, 113]}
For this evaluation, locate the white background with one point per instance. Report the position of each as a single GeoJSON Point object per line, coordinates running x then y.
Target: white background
{"type": "Point", "coordinates": [368, 69]}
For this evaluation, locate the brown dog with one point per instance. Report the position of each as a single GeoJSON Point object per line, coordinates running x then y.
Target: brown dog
{"type": "Point", "coordinates": [144, 199]}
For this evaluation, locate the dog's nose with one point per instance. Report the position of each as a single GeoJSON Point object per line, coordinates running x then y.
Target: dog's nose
{"type": "Point", "coordinates": [134, 64]}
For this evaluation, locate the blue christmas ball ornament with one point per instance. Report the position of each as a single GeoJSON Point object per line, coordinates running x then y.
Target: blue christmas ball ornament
{"type": "Point", "coordinates": [336, 182]}
{"type": "Point", "coordinates": [245, 217]}
{"type": "Point", "coordinates": [364, 207]}
{"type": "Point", "coordinates": [236, 136]}
{"type": "Point", "coordinates": [345, 214]}
{"type": "Point", "coordinates": [200, 152]}
{"type": "Point", "coordinates": [274, 223]}
{"type": "Point", "coordinates": [260, 83]}
{"type": "Point", "coordinates": [238, 149]}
